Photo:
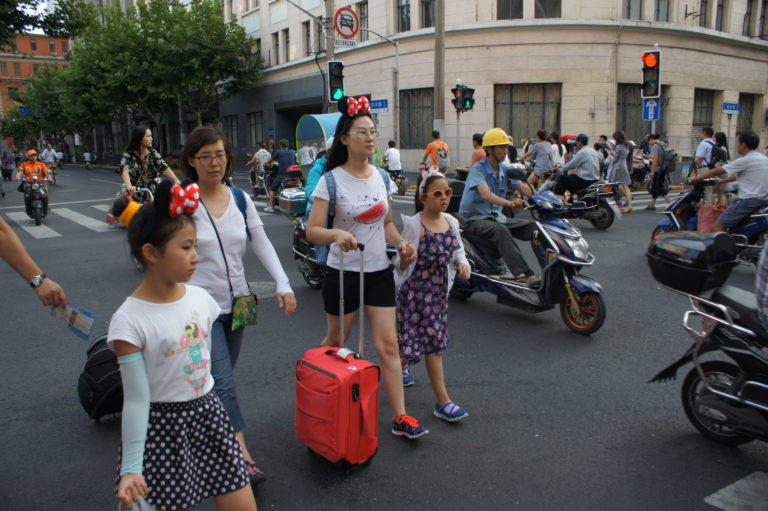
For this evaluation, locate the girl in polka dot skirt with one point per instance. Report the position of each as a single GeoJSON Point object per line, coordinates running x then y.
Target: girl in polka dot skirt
{"type": "Point", "coordinates": [178, 446]}
{"type": "Point", "coordinates": [423, 285]}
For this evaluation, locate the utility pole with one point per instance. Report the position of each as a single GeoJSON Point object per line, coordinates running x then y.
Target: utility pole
{"type": "Point", "coordinates": [329, 32]}
{"type": "Point", "coordinates": [439, 102]}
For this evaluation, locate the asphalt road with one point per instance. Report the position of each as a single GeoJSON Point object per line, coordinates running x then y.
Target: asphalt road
{"type": "Point", "coordinates": [557, 421]}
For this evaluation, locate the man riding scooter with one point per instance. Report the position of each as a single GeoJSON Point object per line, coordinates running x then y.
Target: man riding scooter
{"type": "Point", "coordinates": [586, 163]}
{"type": "Point", "coordinates": [32, 170]}
{"type": "Point", "coordinates": [485, 194]}
{"type": "Point", "coordinates": [751, 173]}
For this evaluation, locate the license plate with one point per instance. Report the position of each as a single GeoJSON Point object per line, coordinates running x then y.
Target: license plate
{"type": "Point", "coordinates": [615, 208]}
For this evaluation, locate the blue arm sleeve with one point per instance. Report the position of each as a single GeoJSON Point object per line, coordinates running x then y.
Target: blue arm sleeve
{"type": "Point", "coordinates": [135, 421]}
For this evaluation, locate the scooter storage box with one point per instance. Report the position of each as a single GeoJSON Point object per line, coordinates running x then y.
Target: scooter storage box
{"type": "Point", "coordinates": [292, 201]}
{"type": "Point", "coordinates": [692, 262]}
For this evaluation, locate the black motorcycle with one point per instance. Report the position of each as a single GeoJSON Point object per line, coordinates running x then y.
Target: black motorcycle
{"type": "Point", "coordinates": [36, 200]}
{"type": "Point", "coordinates": [597, 203]}
{"type": "Point", "coordinates": [726, 402]}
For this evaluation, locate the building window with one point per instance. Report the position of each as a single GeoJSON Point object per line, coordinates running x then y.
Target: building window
{"type": "Point", "coordinates": [52, 46]}
{"type": "Point", "coordinates": [633, 9]}
{"type": "Point", "coordinates": [416, 115]}
{"type": "Point", "coordinates": [703, 8]}
{"type": "Point", "coordinates": [257, 47]}
{"type": "Point", "coordinates": [762, 28]}
{"type": "Point", "coordinates": [275, 48]}
{"type": "Point", "coordinates": [3, 68]}
{"type": "Point", "coordinates": [524, 109]}
{"type": "Point", "coordinates": [35, 67]}
{"type": "Point", "coordinates": [703, 104]}
{"type": "Point", "coordinates": [427, 13]}
{"type": "Point", "coordinates": [287, 45]}
{"type": "Point", "coordinates": [306, 31]}
{"type": "Point", "coordinates": [230, 129]}
{"type": "Point", "coordinates": [662, 10]}
{"type": "Point", "coordinates": [255, 129]}
{"type": "Point", "coordinates": [319, 39]}
{"type": "Point", "coordinates": [362, 14]}
{"type": "Point", "coordinates": [403, 15]}
{"type": "Point", "coordinates": [747, 26]}
{"type": "Point", "coordinates": [547, 9]}
{"type": "Point", "coordinates": [746, 113]}
{"type": "Point", "coordinates": [231, 9]}
{"type": "Point", "coordinates": [17, 69]}
{"type": "Point", "coordinates": [13, 93]}
{"type": "Point", "coordinates": [64, 47]}
{"type": "Point", "coordinates": [510, 9]}
{"type": "Point", "coordinates": [720, 15]}
{"type": "Point", "coordinates": [629, 112]}
{"type": "Point", "coordinates": [33, 44]}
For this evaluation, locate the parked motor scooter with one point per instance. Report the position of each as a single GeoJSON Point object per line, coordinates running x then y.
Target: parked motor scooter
{"type": "Point", "coordinates": [597, 203]}
{"type": "Point", "coordinates": [399, 179]}
{"type": "Point", "coordinates": [641, 173]}
{"type": "Point", "coordinates": [725, 401]}
{"type": "Point", "coordinates": [36, 200]}
{"type": "Point", "coordinates": [682, 215]}
{"type": "Point", "coordinates": [582, 307]}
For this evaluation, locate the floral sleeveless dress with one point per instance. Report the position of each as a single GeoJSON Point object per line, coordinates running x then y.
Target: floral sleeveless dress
{"type": "Point", "coordinates": [422, 304]}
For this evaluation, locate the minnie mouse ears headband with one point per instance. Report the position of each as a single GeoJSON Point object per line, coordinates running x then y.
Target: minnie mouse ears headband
{"type": "Point", "coordinates": [171, 200]}
{"type": "Point", "coordinates": [350, 106]}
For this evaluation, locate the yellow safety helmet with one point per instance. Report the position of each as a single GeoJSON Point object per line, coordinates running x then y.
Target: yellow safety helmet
{"type": "Point", "coordinates": [495, 136]}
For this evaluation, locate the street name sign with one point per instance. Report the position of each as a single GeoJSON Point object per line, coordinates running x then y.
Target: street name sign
{"type": "Point", "coordinates": [730, 108]}
{"type": "Point", "coordinates": [651, 109]}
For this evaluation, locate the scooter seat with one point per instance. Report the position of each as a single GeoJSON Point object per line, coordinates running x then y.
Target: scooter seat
{"type": "Point", "coordinates": [744, 305]}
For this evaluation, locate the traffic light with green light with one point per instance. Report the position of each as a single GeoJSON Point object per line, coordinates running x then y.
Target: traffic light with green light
{"type": "Point", "coordinates": [651, 86]}
{"type": "Point", "coordinates": [463, 98]}
{"type": "Point", "coordinates": [335, 80]}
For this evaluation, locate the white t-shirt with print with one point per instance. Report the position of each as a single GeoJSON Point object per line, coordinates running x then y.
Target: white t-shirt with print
{"type": "Point", "coordinates": [211, 272]}
{"type": "Point", "coordinates": [361, 207]}
{"type": "Point", "coordinates": [175, 341]}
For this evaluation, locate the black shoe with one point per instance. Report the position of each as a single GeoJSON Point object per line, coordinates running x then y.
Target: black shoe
{"type": "Point", "coordinates": [255, 475]}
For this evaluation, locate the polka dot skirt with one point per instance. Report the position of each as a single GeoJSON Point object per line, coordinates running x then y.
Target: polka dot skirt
{"type": "Point", "coordinates": [191, 454]}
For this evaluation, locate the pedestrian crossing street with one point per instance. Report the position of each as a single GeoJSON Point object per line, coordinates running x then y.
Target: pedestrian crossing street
{"type": "Point", "coordinates": [92, 216]}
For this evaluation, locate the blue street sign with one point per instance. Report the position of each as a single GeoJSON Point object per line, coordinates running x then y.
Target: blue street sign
{"type": "Point", "coordinates": [651, 109]}
{"type": "Point", "coordinates": [25, 110]}
{"type": "Point", "coordinates": [730, 108]}
{"type": "Point", "coordinates": [380, 104]}
{"type": "Point", "coordinates": [271, 132]}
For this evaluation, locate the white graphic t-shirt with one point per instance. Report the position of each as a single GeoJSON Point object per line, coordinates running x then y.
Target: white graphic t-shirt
{"type": "Point", "coordinates": [175, 340]}
{"type": "Point", "coordinates": [361, 207]}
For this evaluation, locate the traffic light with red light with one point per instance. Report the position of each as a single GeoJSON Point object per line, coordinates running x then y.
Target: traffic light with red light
{"type": "Point", "coordinates": [651, 86]}
{"type": "Point", "coordinates": [463, 98]}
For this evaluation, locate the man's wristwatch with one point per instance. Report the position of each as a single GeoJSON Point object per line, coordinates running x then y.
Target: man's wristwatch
{"type": "Point", "coordinates": [37, 280]}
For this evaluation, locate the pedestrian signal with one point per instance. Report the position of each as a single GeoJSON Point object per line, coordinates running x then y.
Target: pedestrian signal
{"type": "Point", "coordinates": [335, 80]}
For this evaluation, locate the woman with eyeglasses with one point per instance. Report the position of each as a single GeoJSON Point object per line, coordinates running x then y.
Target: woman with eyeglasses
{"type": "Point", "coordinates": [141, 165]}
{"type": "Point", "coordinates": [226, 223]}
{"type": "Point", "coordinates": [362, 214]}
{"type": "Point", "coordinates": [423, 285]}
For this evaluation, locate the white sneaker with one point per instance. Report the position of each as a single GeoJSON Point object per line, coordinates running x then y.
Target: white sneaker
{"type": "Point", "coordinates": [268, 209]}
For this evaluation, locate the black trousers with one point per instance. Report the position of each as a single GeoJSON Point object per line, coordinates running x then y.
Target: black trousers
{"type": "Point", "coordinates": [571, 182]}
{"type": "Point", "coordinates": [502, 237]}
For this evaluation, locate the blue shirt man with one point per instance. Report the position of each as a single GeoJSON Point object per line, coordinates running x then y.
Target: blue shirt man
{"type": "Point", "coordinates": [485, 194]}
{"type": "Point", "coordinates": [284, 158]}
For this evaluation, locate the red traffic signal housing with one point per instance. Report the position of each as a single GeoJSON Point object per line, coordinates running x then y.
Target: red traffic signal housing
{"type": "Point", "coordinates": [651, 84]}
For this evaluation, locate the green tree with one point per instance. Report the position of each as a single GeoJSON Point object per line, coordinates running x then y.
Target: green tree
{"type": "Point", "coordinates": [69, 20]}
{"type": "Point", "coordinates": [20, 127]}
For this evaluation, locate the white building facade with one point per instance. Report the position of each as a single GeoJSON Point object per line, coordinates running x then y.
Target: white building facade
{"type": "Point", "coordinates": [570, 66]}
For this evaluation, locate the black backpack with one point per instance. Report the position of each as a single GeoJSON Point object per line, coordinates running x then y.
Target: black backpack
{"type": "Point", "coordinates": [669, 159]}
{"type": "Point", "coordinates": [100, 387]}
{"type": "Point", "coordinates": [718, 157]}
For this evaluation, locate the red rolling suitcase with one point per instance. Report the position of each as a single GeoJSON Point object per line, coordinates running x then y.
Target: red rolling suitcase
{"type": "Point", "coordinates": [337, 396]}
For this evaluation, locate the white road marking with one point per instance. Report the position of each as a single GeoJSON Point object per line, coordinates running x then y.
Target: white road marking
{"type": "Point", "coordinates": [85, 221]}
{"type": "Point", "coordinates": [52, 204]}
{"type": "Point", "coordinates": [102, 207]}
{"type": "Point", "coordinates": [36, 231]}
{"type": "Point", "coordinates": [748, 494]}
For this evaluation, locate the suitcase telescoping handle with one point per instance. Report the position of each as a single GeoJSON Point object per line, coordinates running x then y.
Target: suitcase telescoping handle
{"type": "Point", "coordinates": [346, 352]}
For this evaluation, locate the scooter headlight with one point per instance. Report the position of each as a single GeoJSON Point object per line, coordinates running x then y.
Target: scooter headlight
{"type": "Point", "coordinates": [546, 204]}
{"type": "Point", "coordinates": [579, 247]}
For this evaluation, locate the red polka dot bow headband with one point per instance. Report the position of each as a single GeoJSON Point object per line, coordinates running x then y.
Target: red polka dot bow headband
{"type": "Point", "coordinates": [184, 199]}
{"type": "Point", "coordinates": [351, 106]}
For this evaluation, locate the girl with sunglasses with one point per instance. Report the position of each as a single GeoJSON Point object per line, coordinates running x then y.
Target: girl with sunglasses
{"type": "Point", "coordinates": [423, 285]}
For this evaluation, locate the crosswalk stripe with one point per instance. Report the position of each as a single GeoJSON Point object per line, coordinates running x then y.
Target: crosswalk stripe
{"type": "Point", "coordinates": [102, 207]}
{"type": "Point", "coordinates": [36, 231]}
{"type": "Point", "coordinates": [85, 221]}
